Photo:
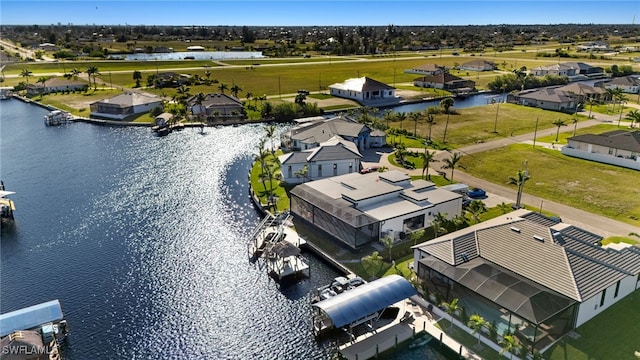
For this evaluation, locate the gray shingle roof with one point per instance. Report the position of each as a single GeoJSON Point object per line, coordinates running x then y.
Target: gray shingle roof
{"type": "Point", "coordinates": [625, 80]}
{"type": "Point", "coordinates": [324, 130]}
{"type": "Point", "coordinates": [617, 139]}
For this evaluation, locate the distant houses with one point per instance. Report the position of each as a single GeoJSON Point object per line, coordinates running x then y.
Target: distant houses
{"type": "Point", "coordinates": [364, 90]}
{"type": "Point", "coordinates": [629, 84]}
{"type": "Point", "coordinates": [123, 105]}
{"type": "Point", "coordinates": [564, 98]}
{"type": "Point", "coordinates": [445, 81]}
{"type": "Point", "coordinates": [426, 69]}
{"type": "Point", "coordinates": [56, 85]}
{"type": "Point", "coordinates": [478, 65]}
{"type": "Point", "coordinates": [619, 147]}
{"type": "Point", "coordinates": [575, 71]}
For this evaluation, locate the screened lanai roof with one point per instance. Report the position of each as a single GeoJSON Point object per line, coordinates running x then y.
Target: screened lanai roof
{"type": "Point", "coordinates": [525, 298]}
{"type": "Point", "coordinates": [355, 304]}
{"type": "Point", "coordinates": [30, 317]}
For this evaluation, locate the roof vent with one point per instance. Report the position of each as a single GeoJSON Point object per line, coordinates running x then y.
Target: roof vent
{"type": "Point", "coordinates": [539, 238]}
{"type": "Point", "coordinates": [515, 229]}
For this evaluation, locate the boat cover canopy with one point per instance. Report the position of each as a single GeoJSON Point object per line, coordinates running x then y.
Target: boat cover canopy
{"type": "Point", "coordinates": [352, 305]}
{"type": "Point", "coordinates": [30, 317]}
{"type": "Point", "coordinates": [4, 193]}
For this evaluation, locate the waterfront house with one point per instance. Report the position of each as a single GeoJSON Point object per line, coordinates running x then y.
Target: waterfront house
{"type": "Point", "coordinates": [363, 90]}
{"type": "Point", "coordinates": [334, 157]}
{"type": "Point", "coordinates": [478, 65]}
{"type": "Point", "coordinates": [445, 81]}
{"type": "Point", "coordinates": [426, 69]}
{"type": "Point", "coordinates": [170, 79]}
{"type": "Point", "coordinates": [357, 209]}
{"type": "Point", "coordinates": [529, 275]}
{"type": "Point", "coordinates": [574, 71]}
{"type": "Point", "coordinates": [629, 84]}
{"type": "Point", "coordinates": [618, 147]}
{"type": "Point", "coordinates": [123, 105]}
{"type": "Point", "coordinates": [216, 106]}
{"type": "Point", "coordinates": [309, 134]}
{"type": "Point", "coordinates": [56, 85]}
{"type": "Point", "coordinates": [559, 98]}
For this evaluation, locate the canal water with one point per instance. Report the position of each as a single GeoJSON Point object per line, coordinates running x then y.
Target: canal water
{"type": "Point", "coordinates": [143, 240]}
{"type": "Point", "coordinates": [195, 55]}
{"type": "Point", "coordinates": [459, 103]}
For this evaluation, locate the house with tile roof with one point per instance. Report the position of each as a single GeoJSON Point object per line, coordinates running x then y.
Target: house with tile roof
{"type": "Point", "coordinates": [559, 98]}
{"type": "Point", "coordinates": [357, 209]}
{"type": "Point", "coordinates": [123, 105]}
{"type": "Point", "coordinates": [55, 85]}
{"type": "Point", "coordinates": [309, 134]}
{"type": "Point", "coordinates": [216, 106]}
{"type": "Point", "coordinates": [333, 157]}
{"type": "Point", "coordinates": [618, 147]}
{"type": "Point", "coordinates": [445, 81]}
{"type": "Point", "coordinates": [426, 69]}
{"type": "Point", "coordinates": [363, 90]}
{"type": "Point", "coordinates": [532, 276]}
{"type": "Point", "coordinates": [629, 84]}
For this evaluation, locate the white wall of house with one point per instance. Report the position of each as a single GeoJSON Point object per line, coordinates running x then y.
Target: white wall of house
{"type": "Point", "coordinates": [342, 167]}
{"type": "Point", "coordinates": [593, 306]}
{"type": "Point", "coordinates": [349, 94]}
{"type": "Point", "coordinates": [137, 109]}
{"type": "Point", "coordinates": [625, 88]}
{"type": "Point", "coordinates": [393, 227]}
{"type": "Point", "coordinates": [602, 156]}
{"type": "Point", "coordinates": [427, 84]}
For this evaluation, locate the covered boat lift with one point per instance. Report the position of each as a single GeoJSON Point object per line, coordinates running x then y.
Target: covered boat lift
{"type": "Point", "coordinates": [30, 317]}
{"type": "Point", "coordinates": [364, 303]}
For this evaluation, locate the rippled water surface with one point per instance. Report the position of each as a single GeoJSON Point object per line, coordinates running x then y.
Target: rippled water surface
{"type": "Point", "coordinates": [143, 240]}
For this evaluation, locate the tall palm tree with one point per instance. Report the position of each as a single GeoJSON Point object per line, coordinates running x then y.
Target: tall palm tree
{"type": "Point", "coordinates": [427, 158]}
{"type": "Point", "coordinates": [222, 87]}
{"type": "Point", "coordinates": [611, 92]}
{"type": "Point", "coordinates": [249, 95]}
{"type": "Point", "coordinates": [25, 73]}
{"type": "Point", "coordinates": [559, 123]}
{"type": "Point", "coordinates": [519, 180]}
{"type": "Point", "coordinates": [509, 344]}
{"type": "Point", "coordinates": [447, 104]}
{"type": "Point", "coordinates": [439, 223]}
{"type": "Point", "coordinates": [451, 308]}
{"type": "Point", "coordinates": [387, 241]}
{"type": "Point", "coordinates": [633, 116]}
{"type": "Point", "coordinates": [137, 77]}
{"type": "Point", "coordinates": [388, 116]}
{"type": "Point", "coordinates": [476, 323]}
{"type": "Point", "coordinates": [364, 114]}
{"type": "Point", "coordinates": [452, 163]}
{"type": "Point", "coordinates": [475, 208]}
{"type": "Point", "coordinates": [42, 80]}
{"type": "Point", "coordinates": [235, 89]}
{"type": "Point", "coordinates": [372, 264]}
{"type": "Point", "coordinates": [431, 121]}
{"type": "Point", "coordinates": [591, 102]}
{"type": "Point", "coordinates": [92, 71]}
{"type": "Point", "coordinates": [575, 120]}
{"type": "Point", "coordinates": [271, 133]}
{"type": "Point", "coordinates": [401, 116]}
{"type": "Point", "coordinates": [415, 116]}
{"type": "Point", "coordinates": [200, 98]}
{"type": "Point", "coordinates": [303, 173]}
{"type": "Point", "coordinates": [617, 93]}
{"type": "Point", "coordinates": [622, 99]}
{"type": "Point", "coordinates": [183, 92]}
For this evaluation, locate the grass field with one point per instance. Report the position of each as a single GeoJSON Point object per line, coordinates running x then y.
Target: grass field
{"type": "Point", "coordinates": [567, 132]}
{"type": "Point", "coordinates": [598, 188]}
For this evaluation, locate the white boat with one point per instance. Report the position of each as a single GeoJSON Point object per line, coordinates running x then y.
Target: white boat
{"type": "Point", "coordinates": [7, 207]}
{"type": "Point", "coordinates": [57, 117]}
{"type": "Point", "coordinates": [420, 342]}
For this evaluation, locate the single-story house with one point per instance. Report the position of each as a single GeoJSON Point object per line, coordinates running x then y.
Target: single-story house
{"type": "Point", "coordinates": [55, 85]}
{"type": "Point", "coordinates": [123, 105]}
{"type": "Point", "coordinates": [560, 97]}
{"type": "Point", "coordinates": [445, 81]}
{"type": "Point", "coordinates": [575, 71]}
{"type": "Point", "coordinates": [170, 79]}
{"type": "Point", "coordinates": [334, 157]}
{"type": "Point", "coordinates": [478, 65]}
{"type": "Point", "coordinates": [532, 276]}
{"type": "Point", "coordinates": [594, 46]}
{"type": "Point", "coordinates": [618, 147]}
{"type": "Point", "coordinates": [310, 134]}
{"type": "Point", "coordinates": [426, 69]}
{"type": "Point", "coordinates": [555, 69]}
{"type": "Point", "coordinates": [215, 106]}
{"type": "Point", "coordinates": [629, 84]}
{"type": "Point", "coordinates": [357, 209]}
{"type": "Point", "coordinates": [363, 89]}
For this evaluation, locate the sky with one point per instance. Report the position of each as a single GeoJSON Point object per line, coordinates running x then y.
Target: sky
{"type": "Point", "coordinates": [310, 13]}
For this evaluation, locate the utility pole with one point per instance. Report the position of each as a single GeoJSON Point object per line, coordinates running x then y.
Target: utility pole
{"type": "Point", "coordinates": [535, 132]}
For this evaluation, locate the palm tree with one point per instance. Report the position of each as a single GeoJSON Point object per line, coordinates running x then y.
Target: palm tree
{"type": "Point", "coordinates": [520, 179]}
{"type": "Point", "coordinates": [42, 80]}
{"type": "Point", "coordinates": [183, 91]}
{"type": "Point", "coordinates": [447, 104]}
{"type": "Point", "coordinates": [622, 99]}
{"type": "Point", "coordinates": [207, 73]}
{"type": "Point", "coordinates": [452, 163]}
{"type": "Point", "coordinates": [271, 132]}
{"type": "Point", "coordinates": [364, 114]}
{"type": "Point", "coordinates": [137, 77]}
{"type": "Point", "coordinates": [575, 120]}
{"type": "Point", "coordinates": [75, 72]}
{"type": "Point", "coordinates": [617, 94]}
{"type": "Point", "coordinates": [431, 121]}
{"type": "Point", "coordinates": [387, 241]}
{"type": "Point", "coordinates": [388, 115]}
{"type": "Point", "coordinates": [301, 99]}
{"type": "Point", "coordinates": [415, 116]}
{"type": "Point", "coordinates": [451, 308]}
{"type": "Point", "coordinates": [611, 93]}
{"type": "Point", "coordinates": [267, 109]}
{"type": "Point", "coordinates": [222, 87]}
{"type": "Point", "coordinates": [476, 323]}
{"type": "Point", "coordinates": [510, 345]}
{"type": "Point", "coordinates": [427, 158]}
{"type": "Point", "coordinates": [200, 98]}
{"type": "Point", "coordinates": [401, 116]}
{"type": "Point", "coordinates": [633, 116]}
{"type": "Point", "coordinates": [591, 102]}
{"type": "Point", "coordinates": [25, 73]}
{"type": "Point", "coordinates": [249, 96]}
{"type": "Point", "coordinates": [303, 172]}
{"type": "Point", "coordinates": [372, 264]}
{"type": "Point", "coordinates": [504, 207]}
{"type": "Point", "coordinates": [93, 71]}
{"type": "Point", "coordinates": [559, 123]}
{"type": "Point", "coordinates": [235, 89]}
{"type": "Point", "coordinates": [475, 208]}
{"type": "Point", "coordinates": [439, 223]}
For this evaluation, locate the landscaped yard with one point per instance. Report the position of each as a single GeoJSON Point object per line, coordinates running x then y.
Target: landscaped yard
{"type": "Point", "coordinates": [599, 188]}
{"type": "Point", "coordinates": [567, 132]}
{"type": "Point", "coordinates": [613, 334]}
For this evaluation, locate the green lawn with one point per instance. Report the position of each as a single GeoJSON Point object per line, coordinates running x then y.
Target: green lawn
{"type": "Point", "coordinates": [598, 188]}
{"type": "Point", "coordinates": [567, 132]}
{"type": "Point", "coordinates": [261, 189]}
{"type": "Point", "coordinates": [613, 334]}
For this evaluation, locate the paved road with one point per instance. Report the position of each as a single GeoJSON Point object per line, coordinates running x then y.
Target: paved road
{"type": "Point", "coordinates": [592, 222]}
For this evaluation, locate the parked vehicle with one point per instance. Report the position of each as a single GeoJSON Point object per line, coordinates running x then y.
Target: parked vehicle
{"type": "Point", "coordinates": [476, 193]}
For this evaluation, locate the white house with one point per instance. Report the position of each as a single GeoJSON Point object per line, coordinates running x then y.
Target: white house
{"type": "Point", "coordinates": [478, 65]}
{"type": "Point", "coordinates": [629, 84]}
{"type": "Point", "coordinates": [618, 147]}
{"type": "Point", "coordinates": [123, 105]}
{"type": "Point", "coordinates": [363, 89]}
{"type": "Point", "coordinates": [334, 157]}
{"type": "Point", "coordinates": [530, 275]}
{"type": "Point", "coordinates": [56, 85]}
{"type": "Point", "coordinates": [426, 69]}
{"type": "Point", "coordinates": [358, 209]}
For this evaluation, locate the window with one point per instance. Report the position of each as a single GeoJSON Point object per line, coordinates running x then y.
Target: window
{"type": "Point", "coordinates": [615, 294]}
{"type": "Point", "coordinates": [604, 295]}
{"type": "Point", "coordinates": [289, 174]}
{"type": "Point", "coordinates": [350, 167]}
{"type": "Point", "coordinates": [335, 169]}
{"type": "Point", "coordinates": [319, 170]}
{"type": "Point", "coordinates": [610, 151]}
